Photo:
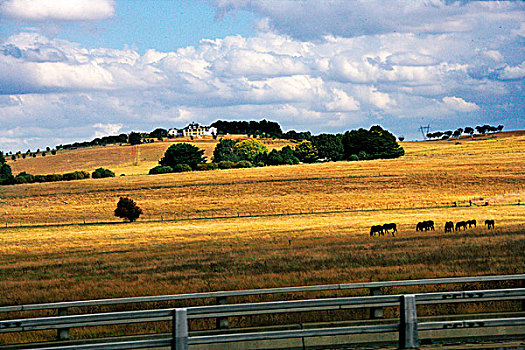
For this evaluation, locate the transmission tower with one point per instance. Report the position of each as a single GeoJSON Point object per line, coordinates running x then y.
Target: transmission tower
{"type": "Point", "coordinates": [424, 130]}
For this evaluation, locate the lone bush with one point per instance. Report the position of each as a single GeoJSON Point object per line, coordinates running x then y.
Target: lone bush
{"type": "Point", "coordinates": [127, 209]}
{"type": "Point", "coordinates": [207, 166]}
{"type": "Point", "coordinates": [161, 169]}
{"type": "Point", "coordinates": [180, 168]}
{"type": "Point", "coordinates": [101, 172]}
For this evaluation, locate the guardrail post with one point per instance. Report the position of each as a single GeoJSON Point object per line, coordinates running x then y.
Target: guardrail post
{"type": "Point", "coordinates": [222, 322]}
{"type": "Point", "coordinates": [408, 338]}
{"type": "Point", "coordinates": [180, 330]}
{"type": "Point", "coordinates": [376, 312]}
{"type": "Point", "coordinates": [62, 333]}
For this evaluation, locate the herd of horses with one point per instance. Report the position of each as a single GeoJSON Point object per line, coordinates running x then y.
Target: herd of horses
{"type": "Point", "coordinates": [428, 225]}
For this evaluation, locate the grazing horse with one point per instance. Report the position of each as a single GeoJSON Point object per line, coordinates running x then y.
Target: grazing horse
{"type": "Point", "coordinates": [471, 223]}
{"type": "Point", "coordinates": [425, 225]}
{"type": "Point", "coordinates": [391, 226]}
{"type": "Point", "coordinates": [489, 223]}
{"type": "Point", "coordinates": [378, 229]}
{"type": "Point", "coordinates": [429, 225]}
{"type": "Point", "coordinates": [461, 224]}
{"type": "Point", "coordinates": [449, 226]}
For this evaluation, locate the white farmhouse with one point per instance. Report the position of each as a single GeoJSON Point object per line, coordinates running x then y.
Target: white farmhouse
{"type": "Point", "coordinates": [193, 130]}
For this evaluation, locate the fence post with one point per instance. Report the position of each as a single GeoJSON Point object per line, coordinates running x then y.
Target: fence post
{"type": "Point", "coordinates": [408, 338]}
{"type": "Point", "coordinates": [376, 312]}
{"type": "Point", "coordinates": [222, 322]}
{"type": "Point", "coordinates": [180, 330]}
{"type": "Point", "coordinates": [62, 333]}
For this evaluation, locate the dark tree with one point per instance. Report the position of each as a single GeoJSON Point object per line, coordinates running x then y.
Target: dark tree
{"type": "Point", "coordinates": [224, 151]}
{"type": "Point", "coordinates": [101, 173]}
{"type": "Point", "coordinates": [159, 133]}
{"type": "Point", "coordinates": [127, 209]}
{"type": "Point", "coordinates": [469, 130]}
{"type": "Point", "coordinates": [329, 146]}
{"type": "Point", "coordinates": [376, 143]}
{"type": "Point", "coordinates": [183, 153]}
{"type": "Point", "coordinates": [458, 132]}
{"type": "Point", "coordinates": [500, 127]}
{"type": "Point", "coordinates": [134, 138]}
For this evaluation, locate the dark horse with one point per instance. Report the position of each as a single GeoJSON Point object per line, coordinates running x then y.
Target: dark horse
{"type": "Point", "coordinates": [378, 229]}
{"type": "Point", "coordinates": [489, 223]}
{"type": "Point", "coordinates": [425, 225]}
{"type": "Point", "coordinates": [471, 223]}
{"type": "Point", "coordinates": [449, 226]}
{"type": "Point", "coordinates": [461, 224]}
{"type": "Point", "coordinates": [390, 226]}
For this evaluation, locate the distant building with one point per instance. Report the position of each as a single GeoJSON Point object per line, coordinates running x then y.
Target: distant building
{"type": "Point", "coordinates": [193, 129]}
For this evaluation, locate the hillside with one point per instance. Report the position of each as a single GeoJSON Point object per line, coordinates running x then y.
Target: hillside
{"type": "Point", "coordinates": [267, 227]}
{"type": "Point", "coordinates": [125, 159]}
{"type": "Point", "coordinates": [135, 160]}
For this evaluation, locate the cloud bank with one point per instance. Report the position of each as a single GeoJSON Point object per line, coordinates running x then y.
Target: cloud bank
{"type": "Point", "coordinates": [57, 10]}
{"type": "Point", "coordinates": [451, 64]}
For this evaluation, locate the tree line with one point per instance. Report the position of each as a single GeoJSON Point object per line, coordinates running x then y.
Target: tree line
{"type": "Point", "coordinates": [481, 129]}
{"type": "Point", "coordinates": [7, 178]}
{"type": "Point", "coordinates": [354, 145]}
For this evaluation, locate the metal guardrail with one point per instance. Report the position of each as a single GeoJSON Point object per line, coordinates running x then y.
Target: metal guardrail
{"type": "Point", "coordinates": [408, 327]}
{"type": "Point", "coordinates": [285, 290]}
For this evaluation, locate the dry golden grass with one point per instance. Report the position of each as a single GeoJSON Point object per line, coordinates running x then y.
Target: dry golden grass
{"type": "Point", "coordinates": [126, 159]}
{"type": "Point", "coordinates": [209, 248]}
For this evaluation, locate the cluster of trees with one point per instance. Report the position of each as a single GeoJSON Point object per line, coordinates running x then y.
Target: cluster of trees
{"type": "Point", "coordinates": [5, 169]}
{"type": "Point", "coordinates": [359, 144]}
{"type": "Point", "coordinates": [263, 128]}
{"type": "Point", "coordinates": [24, 178]}
{"type": "Point", "coordinates": [29, 153]}
{"type": "Point", "coordinates": [481, 129]}
{"type": "Point", "coordinates": [99, 141]}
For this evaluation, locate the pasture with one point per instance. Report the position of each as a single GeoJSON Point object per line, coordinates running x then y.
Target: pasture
{"type": "Point", "coordinates": [268, 227]}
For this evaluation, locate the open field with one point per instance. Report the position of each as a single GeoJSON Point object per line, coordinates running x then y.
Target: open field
{"type": "Point", "coordinates": [267, 227]}
{"type": "Point", "coordinates": [125, 159]}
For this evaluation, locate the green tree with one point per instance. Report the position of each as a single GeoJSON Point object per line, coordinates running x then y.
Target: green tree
{"type": "Point", "coordinates": [183, 153]}
{"type": "Point", "coordinates": [329, 146]}
{"type": "Point", "coordinates": [101, 173]}
{"type": "Point", "coordinates": [5, 169]}
{"type": "Point", "coordinates": [288, 155]}
{"type": "Point", "coordinates": [159, 133]}
{"type": "Point", "coordinates": [127, 209]}
{"type": "Point", "coordinates": [224, 151]}
{"type": "Point", "coordinates": [306, 152]}
{"type": "Point", "coordinates": [376, 143]}
{"type": "Point", "coordinates": [134, 138]}
{"type": "Point", "coordinates": [251, 150]}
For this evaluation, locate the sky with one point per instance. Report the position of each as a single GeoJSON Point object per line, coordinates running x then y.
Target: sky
{"type": "Point", "coordinates": [73, 70]}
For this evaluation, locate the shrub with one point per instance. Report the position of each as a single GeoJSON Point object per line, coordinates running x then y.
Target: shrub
{"type": "Point", "coordinates": [243, 164]}
{"type": "Point", "coordinates": [226, 164]}
{"type": "Point", "coordinates": [76, 175]}
{"type": "Point", "coordinates": [207, 166]}
{"type": "Point", "coordinates": [180, 168]}
{"type": "Point", "coordinates": [353, 158]}
{"type": "Point", "coordinates": [127, 209]}
{"type": "Point", "coordinates": [160, 169]}
{"type": "Point", "coordinates": [362, 155]}
{"type": "Point", "coordinates": [101, 173]}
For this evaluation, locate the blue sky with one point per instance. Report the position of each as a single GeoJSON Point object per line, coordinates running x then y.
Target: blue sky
{"type": "Point", "coordinates": [72, 70]}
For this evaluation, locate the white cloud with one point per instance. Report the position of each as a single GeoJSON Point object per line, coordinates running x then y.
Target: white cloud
{"type": "Point", "coordinates": [344, 77]}
{"type": "Point", "coordinates": [458, 104]}
{"type": "Point", "coordinates": [59, 10]}
{"type": "Point", "coordinates": [106, 129]}
{"type": "Point", "coordinates": [516, 72]}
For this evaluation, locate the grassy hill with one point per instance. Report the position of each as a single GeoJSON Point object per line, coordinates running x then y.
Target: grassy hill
{"type": "Point", "coordinates": [264, 227]}
{"type": "Point", "coordinates": [125, 159]}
